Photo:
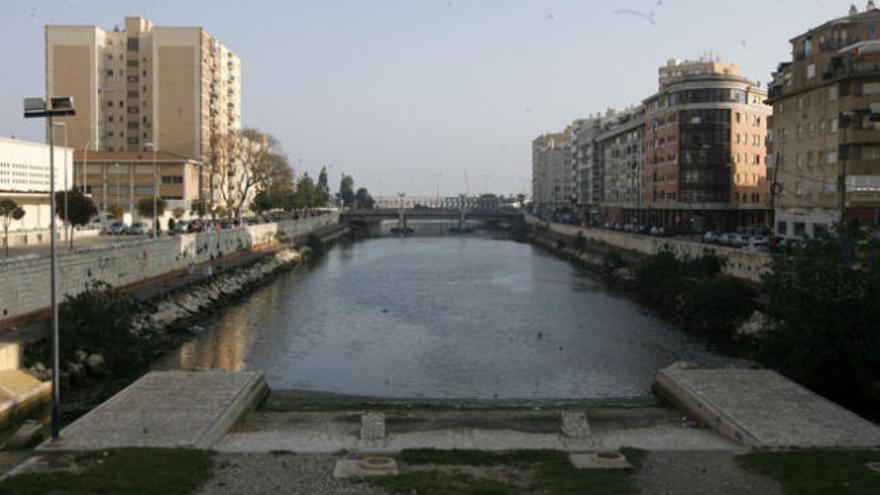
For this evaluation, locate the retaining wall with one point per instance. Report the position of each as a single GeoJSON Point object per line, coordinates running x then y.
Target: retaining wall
{"type": "Point", "coordinates": [748, 265]}
{"type": "Point", "coordinates": [25, 281]}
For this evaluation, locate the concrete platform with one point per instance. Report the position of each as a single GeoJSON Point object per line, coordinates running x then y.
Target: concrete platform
{"type": "Point", "coordinates": [760, 408]}
{"type": "Point", "coordinates": [19, 391]}
{"type": "Point", "coordinates": [167, 409]}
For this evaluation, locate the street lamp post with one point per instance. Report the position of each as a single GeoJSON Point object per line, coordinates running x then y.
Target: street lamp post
{"type": "Point", "coordinates": [67, 225]}
{"type": "Point", "coordinates": [156, 223]}
{"type": "Point", "coordinates": [38, 108]}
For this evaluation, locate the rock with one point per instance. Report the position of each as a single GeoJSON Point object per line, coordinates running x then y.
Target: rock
{"type": "Point", "coordinates": [80, 355]}
{"type": "Point", "coordinates": [75, 369]}
{"type": "Point", "coordinates": [39, 366]}
{"type": "Point", "coordinates": [95, 361]}
{"type": "Point", "coordinates": [197, 329]}
{"type": "Point", "coordinates": [754, 325]}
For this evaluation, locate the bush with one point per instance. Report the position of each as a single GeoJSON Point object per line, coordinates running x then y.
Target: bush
{"type": "Point", "coordinates": [99, 320]}
{"type": "Point", "coordinates": [660, 280]}
{"type": "Point", "coordinates": [824, 316]}
{"type": "Point", "coordinates": [717, 306]}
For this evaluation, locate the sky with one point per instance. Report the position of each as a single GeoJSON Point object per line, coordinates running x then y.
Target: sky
{"type": "Point", "coordinates": [416, 96]}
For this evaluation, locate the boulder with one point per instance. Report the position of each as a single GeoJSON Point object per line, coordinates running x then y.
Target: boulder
{"type": "Point", "coordinates": [80, 355]}
{"type": "Point", "coordinates": [95, 362]}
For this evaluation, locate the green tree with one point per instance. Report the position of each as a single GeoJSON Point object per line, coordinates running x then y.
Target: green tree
{"type": "Point", "coordinates": [263, 201]}
{"type": "Point", "coordinates": [198, 208]}
{"type": "Point", "coordinates": [363, 200]}
{"type": "Point", "coordinates": [9, 212]}
{"type": "Point", "coordinates": [116, 212]}
{"type": "Point", "coordinates": [178, 213]}
{"type": "Point", "coordinates": [306, 192]}
{"type": "Point", "coordinates": [145, 207]}
{"type": "Point", "coordinates": [80, 209]}
{"type": "Point", "coordinates": [823, 309]}
{"type": "Point", "coordinates": [346, 190]}
{"type": "Point", "coordinates": [323, 188]}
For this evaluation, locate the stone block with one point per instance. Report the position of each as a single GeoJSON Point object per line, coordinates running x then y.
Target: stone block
{"type": "Point", "coordinates": [373, 426]}
{"type": "Point", "coordinates": [575, 425]}
{"type": "Point", "coordinates": [368, 467]}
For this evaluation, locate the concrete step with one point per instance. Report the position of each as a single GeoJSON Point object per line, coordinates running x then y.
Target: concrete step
{"type": "Point", "coordinates": [167, 409]}
{"type": "Point", "coordinates": [19, 391]}
{"type": "Point", "coordinates": [760, 408]}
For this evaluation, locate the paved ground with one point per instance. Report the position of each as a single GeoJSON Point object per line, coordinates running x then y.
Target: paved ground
{"type": "Point", "coordinates": [764, 409]}
{"type": "Point", "coordinates": [700, 473]}
{"type": "Point", "coordinates": [166, 409]}
{"type": "Point", "coordinates": [272, 474]}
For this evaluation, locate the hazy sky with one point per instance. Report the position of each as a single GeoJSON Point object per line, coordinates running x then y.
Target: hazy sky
{"type": "Point", "coordinates": [395, 92]}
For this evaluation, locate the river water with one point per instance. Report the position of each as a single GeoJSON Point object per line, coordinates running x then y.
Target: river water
{"type": "Point", "coordinates": [467, 317]}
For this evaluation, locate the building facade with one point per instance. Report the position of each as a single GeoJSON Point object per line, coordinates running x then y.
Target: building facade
{"type": "Point", "coordinates": [172, 87]}
{"type": "Point", "coordinates": [553, 184]}
{"type": "Point", "coordinates": [826, 127]}
{"type": "Point", "coordinates": [622, 159]}
{"type": "Point", "coordinates": [122, 178]}
{"type": "Point", "coordinates": [24, 178]}
{"type": "Point", "coordinates": [705, 149]}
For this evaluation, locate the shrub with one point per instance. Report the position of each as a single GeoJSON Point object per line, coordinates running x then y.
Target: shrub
{"type": "Point", "coordinates": [717, 306]}
{"type": "Point", "coordinates": [99, 320]}
{"type": "Point", "coordinates": [660, 280]}
{"type": "Point", "coordinates": [824, 316]}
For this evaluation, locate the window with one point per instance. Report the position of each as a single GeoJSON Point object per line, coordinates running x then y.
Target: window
{"type": "Point", "coordinates": [832, 93]}
{"type": "Point", "coordinates": [133, 44]}
{"type": "Point", "coordinates": [871, 89]}
{"type": "Point", "coordinates": [832, 126]}
{"type": "Point", "coordinates": [144, 73]}
{"type": "Point", "coordinates": [738, 117]}
{"type": "Point", "coordinates": [811, 71]}
{"type": "Point", "coordinates": [110, 119]}
{"type": "Point", "coordinates": [109, 103]}
{"type": "Point", "coordinates": [820, 229]}
{"type": "Point", "coordinates": [832, 157]}
{"type": "Point", "coordinates": [172, 179]}
{"type": "Point", "coordinates": [800, 229]}
{"type": "Point", "coordinates": [871, 153]}
{"type": "Point", "coordinates": [132, 63]}
{"type": "Point", "coordinates": [782, 228]}
{"type": "Point", "coordinates": [110, 72]}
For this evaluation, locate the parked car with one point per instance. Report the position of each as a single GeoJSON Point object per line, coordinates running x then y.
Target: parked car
{"type": "Point", "coordinates": [117, 228]}
{"type": "Point", "coordinates": [139, 228]}
{"type": "Point", "coordinates": [181, 226]}
{"type": "Point", "coordinates": [195, 226]}
{"type": "Point", "coordinates": [710, 237]}
{"type": "Point", "coordinates": [758, 243]}
{"type": "Point", "coordinates": [739, 240]}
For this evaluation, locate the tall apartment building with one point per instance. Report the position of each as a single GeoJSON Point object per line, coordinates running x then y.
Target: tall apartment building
{"type": "Point", "coordinates": [622, 149]}
{"type": "Point", "coordinates": [705, 149]}
{"type": "Point", "coordinates": [586, 162]}
{"type": "Point", "coordinates": [174, 87]}
{"type": "Point", "coordinates": [826, 126]}
{"type": "Point", "coordinates": [552, 181]}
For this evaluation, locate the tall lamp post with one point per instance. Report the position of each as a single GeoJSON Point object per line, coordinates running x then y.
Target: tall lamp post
{"type": "Point", "coordinates": [156, 223]}
{"type": "Point", "coordinates": [66, 218]}
{"type": "Point", "coordinates": [59, 106]}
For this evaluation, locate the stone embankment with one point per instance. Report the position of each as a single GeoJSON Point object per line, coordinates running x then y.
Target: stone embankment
{"type": "Point", "coordinates": [198, 298]}
{"type": "Point", "coordinates": [747, 265]}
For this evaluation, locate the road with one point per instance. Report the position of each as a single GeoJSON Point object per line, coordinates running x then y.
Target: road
{"type": "Point", "coordinates": [78, 242]}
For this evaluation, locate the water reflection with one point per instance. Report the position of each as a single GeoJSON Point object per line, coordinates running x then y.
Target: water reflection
{"type": "Point", "coordinates": [444, 317]}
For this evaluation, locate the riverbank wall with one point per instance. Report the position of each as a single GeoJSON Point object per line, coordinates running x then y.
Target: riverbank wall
{"type": "Point", "coordinates": [136, 263]}
{"type": "Point", "coordinates": [599, 243]}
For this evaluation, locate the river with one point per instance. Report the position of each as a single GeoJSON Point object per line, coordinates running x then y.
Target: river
{"type": "Point", "coordinates": [469, 317]}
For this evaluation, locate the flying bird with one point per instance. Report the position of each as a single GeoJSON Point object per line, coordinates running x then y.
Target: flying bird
{"type": "Point", "coordinates": [648, 17]}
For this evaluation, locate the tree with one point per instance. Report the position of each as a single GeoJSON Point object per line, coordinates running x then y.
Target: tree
{"type": "Point", "coordinates": [306, 195]}
{"type": "Point", "coordinates": [9, 212]}
{"type": "Point", "coordinates": [198, 208]}
{"type": "Point", "coordinates": [363, 200]}
{"type": "Point", "coordinates": [323, 192]}
{"type": "Point", "coordinates": [145, 210]}
{"type": "Point", "coordinates": [346, 190]}
{"type": "Point", "coordinates": [80, 209]}
{"type": "Point", "coordinates": [178, 213]}
{"type": "Point", "coordinates": [116, 212]}
{"type": "Point", "coordinates": [240, 163]}
{"type": "Point", "coordinates": [823, 309]}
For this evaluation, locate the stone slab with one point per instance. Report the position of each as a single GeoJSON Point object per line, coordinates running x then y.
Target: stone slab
{"type": "Point", "coordinates": [167, 409]}
{"type": "Point", "coordinates": [760, 408]}
{"type": "Point", "coordinates": [590, 460]}
{"type": "Point", "coordinates": [10, 355]}
{"type": "Point", "coordinates": [354, 468]}
{"type": "Point", "coordinates": [373, 426]}
{"type": "Point", "coordinates": [575, 424]}
{"type": "Point", "coordinates": [18, 391]}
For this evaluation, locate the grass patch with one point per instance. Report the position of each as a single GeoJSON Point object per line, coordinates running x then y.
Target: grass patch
{"type": "Point", "coordinates": [122, 471]}
{"type": "Point", "coordinates": [543, 471]}
{"type": "Point", "coordinates": [817, 472]}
